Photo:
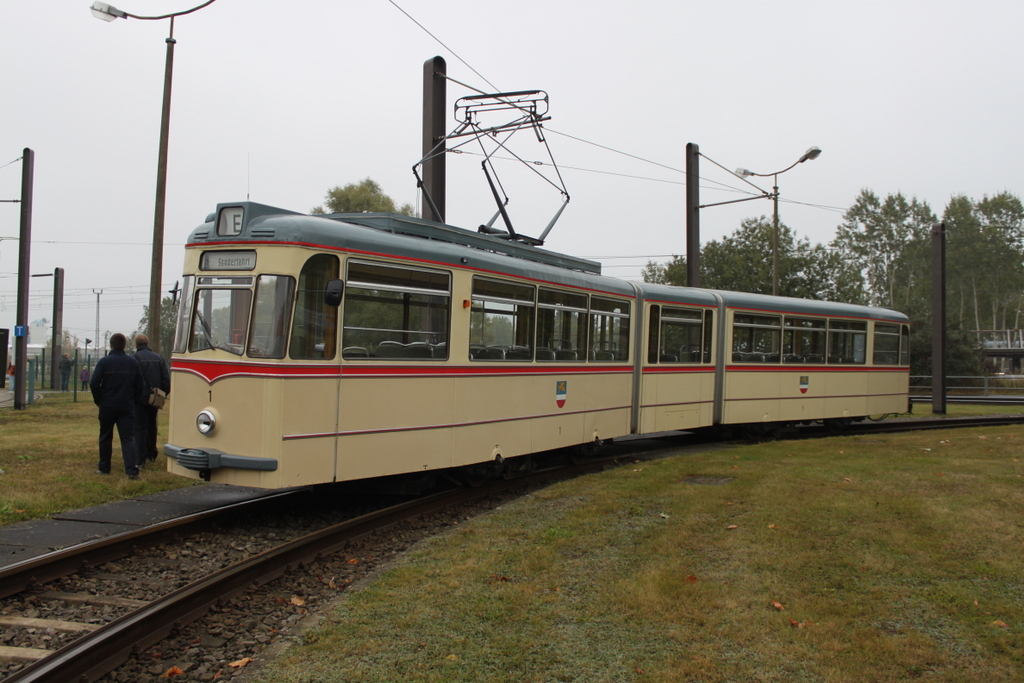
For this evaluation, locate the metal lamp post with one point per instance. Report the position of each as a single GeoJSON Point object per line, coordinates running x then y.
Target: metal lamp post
{"type": "Point", "coordinates": [102, 10]}
{"type": "Point", "coordinates": [812, 153]}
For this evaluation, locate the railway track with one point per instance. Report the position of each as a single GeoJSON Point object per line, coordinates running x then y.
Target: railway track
{"type": "Point", "coordinates": [116, 626]}
{"type": "Point", "coordinates": [88, 651]}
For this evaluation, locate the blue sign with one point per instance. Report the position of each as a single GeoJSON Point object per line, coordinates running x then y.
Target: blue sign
{"type": "Point", "coordinates": [19, 330]}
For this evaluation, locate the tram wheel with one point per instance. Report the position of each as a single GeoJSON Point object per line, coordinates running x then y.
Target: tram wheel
{"type": "Point", "coordinates": [579, 454]}
{"type": "Point", "coordinates": [836, 425]}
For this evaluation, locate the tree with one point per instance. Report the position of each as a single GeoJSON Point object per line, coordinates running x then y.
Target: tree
{"type": "Point", "coordinates": [365, 195]}
{"type": "Point", "coordinates": [882, 240]}
{"type": "Point", "coordinates": [985, 252]}
{"type": "Point", "coordinates": [168, 325]}
{"type": "Point", "coordinates": [742, 262]}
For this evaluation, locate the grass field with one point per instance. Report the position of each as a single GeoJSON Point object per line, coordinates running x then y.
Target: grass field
{"type": "Point", "coordinates": [882, 558]}
{"type": "Point", "coordinates": [48, 454]}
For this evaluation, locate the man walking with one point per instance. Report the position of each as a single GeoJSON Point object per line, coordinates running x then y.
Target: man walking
{"type": "Point", "coordinates": [65, 371]}
{"type": "Point", "coordinates": [117, 387]}
{"type": "Point", "coordinates": [154, 371]}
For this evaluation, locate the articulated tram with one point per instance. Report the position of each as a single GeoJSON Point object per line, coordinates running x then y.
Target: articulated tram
{"type": "Point", "coordinates": [313, 349]}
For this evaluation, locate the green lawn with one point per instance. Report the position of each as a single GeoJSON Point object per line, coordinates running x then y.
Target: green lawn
{"type": "Point", "coordinates": [48, 454]}
{"type": "Point", "coordinates": [882, 558]}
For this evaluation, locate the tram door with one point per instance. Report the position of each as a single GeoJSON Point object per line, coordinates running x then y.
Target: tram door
{"type": "Point", "coordinates": [309, 406]}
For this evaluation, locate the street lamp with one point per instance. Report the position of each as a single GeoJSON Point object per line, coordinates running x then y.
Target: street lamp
{"type": "Point", "coordinates": [102, 10]}
{"type": "Point", "coordinates": [810, 154]}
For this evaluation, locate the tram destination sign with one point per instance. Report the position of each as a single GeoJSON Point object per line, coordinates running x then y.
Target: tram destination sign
{"type": "Point", "coordinates": [228, 260]}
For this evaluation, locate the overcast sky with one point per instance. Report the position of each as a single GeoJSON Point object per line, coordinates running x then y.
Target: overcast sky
{"type": "Point", "coordinates": [279, 101]}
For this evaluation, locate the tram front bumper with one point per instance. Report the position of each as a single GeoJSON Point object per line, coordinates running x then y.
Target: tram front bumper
{"type": "Point", "coordinates": [200, 460]}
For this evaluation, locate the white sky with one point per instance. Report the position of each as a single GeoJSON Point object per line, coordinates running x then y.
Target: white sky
{"type": "Point", "coordinates": [283, 100]}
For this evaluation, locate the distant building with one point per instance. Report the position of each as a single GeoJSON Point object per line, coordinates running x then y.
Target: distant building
{"type": "Point", "coordinates": [38, 331]}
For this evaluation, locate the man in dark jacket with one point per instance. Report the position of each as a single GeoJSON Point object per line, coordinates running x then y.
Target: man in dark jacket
{"type": "Point", "coordinates": [117, 387]}
{"type": "Point", "coordinates": [154, 371]}
{"type": "Point", "coordinates": [66, 364]}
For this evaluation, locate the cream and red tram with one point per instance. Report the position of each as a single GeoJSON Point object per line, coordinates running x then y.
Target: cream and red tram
{"type": "Point", "coordinates": [314, 349]}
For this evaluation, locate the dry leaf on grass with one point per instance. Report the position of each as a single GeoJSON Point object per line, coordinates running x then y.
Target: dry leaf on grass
{"type": "Point", "coordinates": [731, 527]}
{"type": "Point", "coordinates": [1000, 624]}
{"type": "Point", "coordinates": [778, 605]}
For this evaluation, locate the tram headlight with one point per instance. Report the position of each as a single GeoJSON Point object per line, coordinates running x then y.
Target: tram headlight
{"type": "Point", "coordinates": [206, 421]}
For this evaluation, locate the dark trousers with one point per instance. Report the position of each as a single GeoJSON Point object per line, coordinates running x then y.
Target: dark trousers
{"type": "Point", "coordinates": [124, 419]}
{"type": "Point", "coordinates": [64, 377]}
{"type": "Point", "coordinates": [145, 432]}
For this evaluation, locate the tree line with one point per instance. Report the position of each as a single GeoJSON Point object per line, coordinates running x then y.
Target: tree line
{"type": "Point", "coordinates": [881, 255]}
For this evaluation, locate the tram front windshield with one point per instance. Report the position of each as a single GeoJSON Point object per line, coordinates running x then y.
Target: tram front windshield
{"type": "Point", "coordinates": [220, 320]}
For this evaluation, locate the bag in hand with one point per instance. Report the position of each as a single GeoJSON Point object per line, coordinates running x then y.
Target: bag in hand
{"type": "Point", "coordinates": [157, 398]}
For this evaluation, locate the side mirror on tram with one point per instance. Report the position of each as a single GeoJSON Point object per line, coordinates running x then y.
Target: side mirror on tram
{"type": "Point", "coordinates": [332, 296]}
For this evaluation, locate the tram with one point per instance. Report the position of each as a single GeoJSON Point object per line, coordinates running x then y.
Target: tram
{"type": "Point", "coordinates": [314, 349]}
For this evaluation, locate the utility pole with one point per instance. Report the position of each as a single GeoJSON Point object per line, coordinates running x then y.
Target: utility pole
{"type": "Point", "coordinates": [692, 215]}
{"type": "Point", "coordinates": [435, 89]}
{"type": "Point", "coordinates": [56, 345]}
{"type": "Point", "coordinates": [24, 253]}
{"type": "Point", "coordinates": [97, 292]}
{"type": "Point", "coordinates": [939, 318]}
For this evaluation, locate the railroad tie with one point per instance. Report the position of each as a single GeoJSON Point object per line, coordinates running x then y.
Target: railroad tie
{"type": "Point", "coordinates": [90, 599]}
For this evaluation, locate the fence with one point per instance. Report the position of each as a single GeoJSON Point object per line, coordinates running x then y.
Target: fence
{"type": "Point", "coordinates": [40, 383]}
{"type": "Point", "coordinates": [970, 386]}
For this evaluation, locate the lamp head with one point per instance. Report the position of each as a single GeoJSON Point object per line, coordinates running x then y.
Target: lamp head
{"type": "Point", "coordinates": [743, 173]}
{"type": "Point", "coordinates": [102, 10]}
{"type": "Point", "coordinates": [810, 154]}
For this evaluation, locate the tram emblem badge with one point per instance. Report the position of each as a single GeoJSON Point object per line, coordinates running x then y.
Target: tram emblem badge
{"type": "Point", "coordinates": [805, 381]}
{"type": "Point", "coordinates": [560, 391]}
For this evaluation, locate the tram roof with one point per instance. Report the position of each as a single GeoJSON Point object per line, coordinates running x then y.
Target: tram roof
{"type": "Point", "coordinates": [415, 239]}
{"type": "Point", "coordinates": [763, 303]}
{"type": "Point", "coordinates": [784, 304]}
{"type": "Point", "coordinates": [387, 234]}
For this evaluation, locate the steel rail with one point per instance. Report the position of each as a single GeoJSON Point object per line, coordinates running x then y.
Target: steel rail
{"type": "Point", "coordinates": [101, 651]}
{"type": "Point", "coordinates": [24, 575]}
{"type": "Point", "coordinates": [910, 425]}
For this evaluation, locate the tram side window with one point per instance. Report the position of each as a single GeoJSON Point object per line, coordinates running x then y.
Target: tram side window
{"type": "Point", "coordinates": [221, 319]}
{"type": "Point", "coordinates": [501, 321]}
{"type": "Point", "coordinates": [709, 330]}
{"type": "Point", "coordinates": [887, 344]}
{"type": "Point", "coordinates": [681, 335]}
{"type": "Point", "coordinates": [269, 329]}
{"type": "Point", "coordinates": [395, 313]}
{"type": "Point", "coordinates": [184, 315]}
{"type": "Point", "coordinates": [561, 326]}
{"type": "Point", "coordinates": [803, 340]}
{"type": "Point", "coordinates": [756, 338]}
{"type": "Point", "coordinates": [847, 342]}
{"type": "Point", "coordinates": [609, 329]}
{"type": "Point", "coordinates": [314, 328]}
{"type": "Point", "coordinates": [653, 330]}
{"type": "Point", "coordinates": [904, 345]}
